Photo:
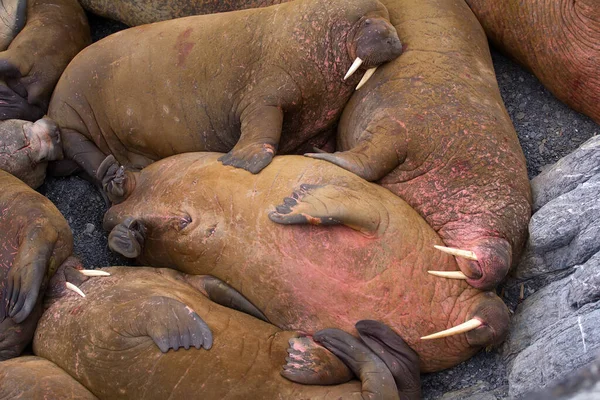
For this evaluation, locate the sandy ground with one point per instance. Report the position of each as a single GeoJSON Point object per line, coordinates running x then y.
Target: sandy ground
{"type": "Point", "coordinates": [547, 131]}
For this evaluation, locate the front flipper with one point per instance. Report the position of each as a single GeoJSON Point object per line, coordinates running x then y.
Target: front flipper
{"type": "Point", "coordinates": [261, 130]}
{"type": "Point", "coordinates": [117, 183]}
{"type": "Point", "coordinates": [29, 268]}
{"type": "Point", "coordinates": [402, 361]}
{"type": "Point", "coordinates": [332, 205]}
{"type": "Point", "coordinates": [309, 363]}
{"type": "Point", "coordinates": [169, 322]}
{"type": "Point", "coordinates": [127, 238]}
{"type": "Point", "coordinates": [371, 159]}
{"type": "Point", "coordinates": [221, 293]}
{"type": "Point", "coordinates": [377, 380]}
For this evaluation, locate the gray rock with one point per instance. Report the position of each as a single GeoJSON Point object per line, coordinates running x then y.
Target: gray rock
{"type": "Point", "coordinates": [583, 384]}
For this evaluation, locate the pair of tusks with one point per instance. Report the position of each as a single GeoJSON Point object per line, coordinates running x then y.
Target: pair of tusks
{"type": "Point", "coordinates": [86, 272]}
{"type": "Point", "coordinates": [357, 63]}
{"type": "Point", "coordinates": [469, 255]}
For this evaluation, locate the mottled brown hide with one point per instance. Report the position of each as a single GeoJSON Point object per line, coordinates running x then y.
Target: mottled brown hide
{"type": "Point", "coordinates": [34, 240]}
{"type": "Point", "coordinates": [96, 341]}
{"type": "Point", "coordinates": [558, 40]}
{"type": "Point", "coordinates": [201, 217]}
{"type": "Point", "coordinates": [263, 80]}
{"type": "Point", "coordinates": [36, 378]}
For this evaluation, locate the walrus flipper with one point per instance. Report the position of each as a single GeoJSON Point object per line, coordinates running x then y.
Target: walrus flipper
{"type": "Point", "coordinates": [27, 273]}
{"type": "Point", "coordinates": [309, 363]}
{"type": "Point", "coordinates": [127, 238]}
{"type": "Point", "coordinates": [169, 322]}
{"type": "Point", "coordinates": [402, 361]}
{"type": "Point", "coordinates": [377, 380]}
{"type": "Point", "coordinates": [331, 205]}
{"type": "Point", "coordinates": [221, 293]}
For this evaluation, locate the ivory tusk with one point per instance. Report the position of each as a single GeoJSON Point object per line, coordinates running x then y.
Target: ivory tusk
{"type": "Point", "coordinates": [462, 328]}
{"type": "Point", "coordinates": [74, 288]}
{"type": "Point", "coordinates": [93, 272]}
{"type": "Point", "coordinates": [366, 77]}
{"type": "Point", "coordinates": [357, 62]}
{"type": "Point", "coordinates": [457, 252]}
{"type": "Point", "coordinates": [448, 274]}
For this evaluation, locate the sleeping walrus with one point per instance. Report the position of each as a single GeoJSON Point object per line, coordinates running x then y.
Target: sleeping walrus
{"type": "Point", "coordinates": [250, 82]}
{"type": "Point", "coordinates": [194, 214]}
{"type": "Point", "coordinates": [116, 343]}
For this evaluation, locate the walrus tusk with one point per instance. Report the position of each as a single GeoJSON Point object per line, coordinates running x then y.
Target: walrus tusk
{"type": "Point", "coordinates": [457, 252]}
{"type": "Point", "coordinates": [462, 328]}
{"type": "Point", "coordinates": [366, 77]}
{"type": "Point", "coordinates": [92, 272]}
{"type": "Point", "coordinates": [448, 274]}
{"type": "Point", "coordinates": [74, 288]}
{"type": "Point", "coordinates": [357, 62]}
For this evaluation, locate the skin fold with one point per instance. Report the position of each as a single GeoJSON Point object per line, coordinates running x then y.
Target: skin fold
{"type": "Point", "coordinates": [31, 377]}
{"type": "Point", "coordinates": [34, 240]}
{"type": "Point", "coordinates": [252, 82]}
{"type": "Point", "coordinates": [558, 41]}
{"type": "Point", "coordinates": [109, 341]}
{"type": "Point", "coordinates": [191, 213]}
{"type": "Point", "coordinates": [26, 148]}
{"type": "Point", "coordinates": [431, 127]}
{"type": "Point", "coordinates": [56, 30]}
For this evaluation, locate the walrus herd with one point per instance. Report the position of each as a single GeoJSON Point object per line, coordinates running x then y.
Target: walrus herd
{"type": "Point", "coordinates": [341, 274]}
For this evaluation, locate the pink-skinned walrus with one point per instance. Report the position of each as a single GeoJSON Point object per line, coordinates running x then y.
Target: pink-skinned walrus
{"type": "Point", "coordinates": [120, 341]}
{"type": "Point", "coordinates": [251, 83]}
{"type": "Point", "coordinates": [191, 213]}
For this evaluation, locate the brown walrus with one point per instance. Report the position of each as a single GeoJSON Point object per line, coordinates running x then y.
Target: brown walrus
{"type": "Point", "coordinates": [250, 82]}
{"type": "Point", "coordinates": [191, 213]}
{"type": "Point", "coordinates": [55, 31]}
{"type": "Point", "coordinates": [557, 40]}
{"type": "Point", "coordinates": [34, 240]}
{"type": "Point", "coordinates": [36, 378]}
{"type": "Point", "coordinates": [13, 15]}
{"type": "Point", "coordinates": [116, 343]}
{"type": "Point", "coordinates": [431, 127]}
{"type": "Point", "coordinates": [26, 148]}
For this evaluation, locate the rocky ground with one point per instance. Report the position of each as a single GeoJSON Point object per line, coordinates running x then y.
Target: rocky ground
{"type": "Point", "coordinates": [547, 129]}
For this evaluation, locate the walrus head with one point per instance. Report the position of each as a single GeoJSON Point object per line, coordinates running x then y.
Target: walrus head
{"type": "Point", "coordinates": [374, 42]}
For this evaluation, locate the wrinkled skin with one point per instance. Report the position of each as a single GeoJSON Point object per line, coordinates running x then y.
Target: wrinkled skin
{"type": "Point", "coordinates": [431, 127]}
{"type": "Point", "coordinates": [36, 378]}
{"type": "Point", "coordinates": [34, 240]}
{"type": "Point", "coordinates": [26, 148]}
{"type": "Point", "coordinates": [272, 82]}
{"type": "Point", "coordinates": [109, 341]}
{"type": "Point", "coordinates": [56, 30]}
{"type": "Point", "coordinates": [191, 213]}
{"type": "Point", "coordinates": [557, 40]}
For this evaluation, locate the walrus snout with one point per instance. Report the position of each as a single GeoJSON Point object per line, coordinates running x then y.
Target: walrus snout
{"type": "Point", "coordinates": [377, 42]}
{"type": "Point", "coordinates": [493, 314]}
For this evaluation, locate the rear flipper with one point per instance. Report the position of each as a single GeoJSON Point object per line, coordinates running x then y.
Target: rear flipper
{"type": "Point", "coordinates": [401, 360]}
{"type": "Point", "coordinates": [377, 380]}
{"type": "Point", "coordinates": [169, 322]}
{"type": "Point", "coordinates": [127, 238]}
{"type": "Point", "coordinates": [29, 268]}
{"type": "Point", "coordinates": [312, 364]}
{"type": "Point", "coordinates": [83, 151]}
{"type": "Point", "coordinates": [332, 205]}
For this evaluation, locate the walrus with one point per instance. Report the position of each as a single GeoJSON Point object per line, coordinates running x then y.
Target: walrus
{"type": "Point", "coordinates": [191, 213]}
{"type": "Point", "coordinates": [431, 127]}
{"type": "Point", "coordinates": [117, 341]}
{"type": "Point", "coordinates": [556, 40]}
{"type": "Point", "coordinates": [54, 32]}
{"type": "Point", "coordinates": [251, 83]}
{"type": "Point", "coordinates": [14, 15]}
{"type": "Point", "coordinates": [27, 147]}
{"type": "Point", "coordinates": [32, 377]}
{"type": "Point", "coordinates": [35, 239]}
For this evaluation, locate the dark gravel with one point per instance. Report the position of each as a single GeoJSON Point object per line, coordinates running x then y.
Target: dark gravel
{"type": "Point", "coordinates": [547, 131]}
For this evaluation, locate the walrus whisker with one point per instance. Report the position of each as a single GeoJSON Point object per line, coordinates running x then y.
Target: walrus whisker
{"type": "Point", "coordinates": [355, 65]}
{"type": "Point", "coordinates": [462, 328]}
{"type": "Point", "coordinates": [366, 77]}
{"type": "Point", "coordinates": [448, 274]}
{"type": "Point", "coordinates": [457, 252]}
{"type": "Point", "coordinates": [74, 288]}
{"type": "Point", "coordinates": [92, 272]}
